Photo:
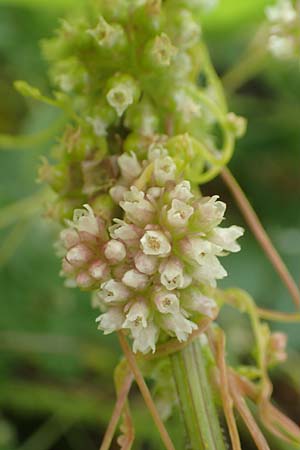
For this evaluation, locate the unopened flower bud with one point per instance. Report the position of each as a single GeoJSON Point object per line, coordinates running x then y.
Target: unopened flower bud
{"type": "Point", "coordinates": [79, 255]}
{"type": "Point", "coordinates": [135, 280]}
{"type": "Point", "coordinates": [115, 251]}
{"type": "Point", "coordinates": [69, 237]}
{"type": "Point", "coordinates": [98, 270]}
{"type": "Point", "coordinates": [129, 166]}
{"type": "Point", "coordinates": [84, 280]}
{"type": "Point", "coordinates": [117, 193]}
{"type": "Point", "coordinates": [164, 170]}
{"type": "Point", "coordinates": [145, 263]}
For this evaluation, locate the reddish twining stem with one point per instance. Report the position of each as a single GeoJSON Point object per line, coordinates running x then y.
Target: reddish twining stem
{"type": "Point", "coordinates": [145, 391]}
{"type": "Point", "coordinates": [122, 397]}
{"type": "Point", "coordinates": [261, 235]}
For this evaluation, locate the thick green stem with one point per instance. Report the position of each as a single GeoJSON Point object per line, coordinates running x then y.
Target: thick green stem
{"type": "Point", "coordinates": [196, 400]}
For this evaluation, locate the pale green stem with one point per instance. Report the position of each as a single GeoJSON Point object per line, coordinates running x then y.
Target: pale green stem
{"type": "Point", "coordinates": [196, 399]}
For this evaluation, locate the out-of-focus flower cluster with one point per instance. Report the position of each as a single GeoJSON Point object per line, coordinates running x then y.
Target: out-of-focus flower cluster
{"type": "Point", "coordinates": [284, 29]}
{"type": "Point", "coordinates": [125, 73]}
{"type": "Point", "coordinates": [151, 269]}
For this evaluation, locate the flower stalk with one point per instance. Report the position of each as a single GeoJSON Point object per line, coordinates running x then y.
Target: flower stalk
{"type": "Point", "coordinates": [197, 403]}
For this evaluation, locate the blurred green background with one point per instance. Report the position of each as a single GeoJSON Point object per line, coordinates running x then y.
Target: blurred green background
{"type": "Point", "coordinates": [56, 388]}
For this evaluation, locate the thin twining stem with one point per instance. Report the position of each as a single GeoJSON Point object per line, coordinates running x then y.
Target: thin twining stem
{"type": "Point", "coordinates": [225, 392]}
{"type": "Point", "coordinates": [247, 417]}
{"type": "Point", "coordinates": [145, 391]}
{"type": "Point", "coordinates": [278, 316]}
{"type": "Point", "coordinates": [261, 235]}
{"type": "Point", "coordinates": [122, 397]}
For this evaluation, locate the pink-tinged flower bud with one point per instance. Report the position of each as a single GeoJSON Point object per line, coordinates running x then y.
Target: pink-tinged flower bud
{"type": "Point", "coordinates": [128, 233]}
{"type": "Point", "coordinates": [67, 268]}
{"type": "Point", "coordinates": [138, 210]}
{"type": "Point", "coordinates": [178, 215]}
{"type": "Point", "coordinates": [277, 347]}
{"type": "Point", "coordinates": [145, 263]}
{"type": "Point", "coordinates": [129, 166]}
{"type": "Point", "coordinates": [113, 292]}
{"type": "Point", "coordinates": [172, 276]}
{"type": "Point", "coordinates": [79, 255]}
{"type": "Point", "coordinates": [135, 280]}
{"type": "Point", "coordinates": [166, 302]}
{"type": "Point", "coordinates": [69, 237]}
{"type": "Point", "coordinates": [117, 193]}
{"type": "Point", "coordinates": [99, 270]}
{"type": "Point", "coordinates": [115, 251]}
{"type": "Point", "coordinates": [111, 321]}
{"type": "Point", "coordinates": [84, 280]}
{"type": "Point", "coordinates": [154, 193]}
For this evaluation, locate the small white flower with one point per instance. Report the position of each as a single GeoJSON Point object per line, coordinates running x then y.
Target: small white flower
{"type": "Point", "coordinates": [187, 107]}
{"type": "Point", "coordinates": [129, 166]}
{"type": "Point", "coordinates": [196, 248]}
{"type": "Point", "coordinates": [137, 316]}
{"type": "Point", "coordinates": [180, 212]}
{"type": "Point", "coordinates": [171, 274]}
{"type": "Point", "coordinates": [190, 31]}
{"type": "Point", "coordinates": [106, 35]}
{"type": "Point", "coordinates": [166, 302]}
{"type": "Point", "coordinates": [111, 320]}
{"type": "Point", "coordinates": [226, 237]}
{"type": "Point", "coordinates": [211, 212]}
{"type": "Point", "coordinates": [120, 97]}
{"type": "Point", "coordinates": [164, 170]}
{"type": "Point", "coordinates": [146, 263]}
{"type": "Point", "coordinates": [113, 292]}
{"type": "Point", "coordinates": [162, 50]}
{"type": "Point", "coordinates": [98, 270]}
{"type": "Point", "coordinates": [85, 220]}
{"type": "Point", "coordinates": [182, 191]}
{"type": "Point", "coordinates": [144, 339]}
{"type": "Point", "coordinates": [156, 151]}
{"type": "Point", "coordinates": [99, 126]}
{"type": "Point", "coordinates": [194, 300]}
{"type": "Point", "coordinates": [281, 46]}
{"type": "Point", "coordinates": [135, 280]}
{"type": "Point", "coordinates": [178, 325]}
{"type": "Point", "coordinates": [115, 251]}
{"type": "Point", "coordinates": [155, 243]}
{"type": "Point", "coordinates": [128, 233]}
{"type": "Point", "coordinates": [282, 11]}
{"type": "Point", "coordinates": [139, 210]}
{"type": "Point", "coordinates": [79, 255]}
{"type": "Point", "coordinates": [210, 270]}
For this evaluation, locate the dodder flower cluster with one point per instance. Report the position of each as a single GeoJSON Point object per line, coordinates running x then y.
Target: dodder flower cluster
{"type": "Point", "coordinates": [284, 20]}
{"type": "Point", "coordinates": [150, 269]}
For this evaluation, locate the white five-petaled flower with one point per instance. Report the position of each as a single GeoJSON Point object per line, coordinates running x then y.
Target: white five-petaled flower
{"type": "Point", "coordinates": [155, 243]}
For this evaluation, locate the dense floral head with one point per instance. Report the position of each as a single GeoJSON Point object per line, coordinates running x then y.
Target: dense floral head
{"type": "Point", "coordinates": [151, 272]}
{"type": "Point", "coordinates": [284, 36]}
